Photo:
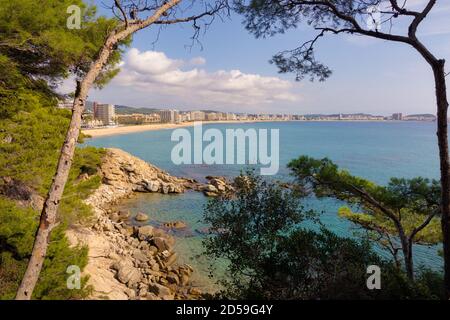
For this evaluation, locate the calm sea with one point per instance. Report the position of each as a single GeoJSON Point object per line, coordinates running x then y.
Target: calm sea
{"type": "Point", "coordinates": [374, 150]}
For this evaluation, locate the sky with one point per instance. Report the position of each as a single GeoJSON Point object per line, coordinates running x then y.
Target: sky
{"type": "Point", "coordinates": [229, 70]}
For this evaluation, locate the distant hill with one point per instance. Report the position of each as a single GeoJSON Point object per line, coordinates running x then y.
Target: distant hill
{"type": "Point", "coordinates": [315, 115]}
{"type": "Point", "coordinates": [423, 115]}
{"type": "Point", "coordinates": [131, 110]}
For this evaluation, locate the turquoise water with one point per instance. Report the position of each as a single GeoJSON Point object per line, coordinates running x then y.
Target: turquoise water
{"type": "Point", "coordinates": [374, 150]}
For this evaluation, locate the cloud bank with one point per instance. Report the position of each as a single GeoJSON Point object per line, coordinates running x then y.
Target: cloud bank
{"type": "Point", "coordinates": [152, 74]}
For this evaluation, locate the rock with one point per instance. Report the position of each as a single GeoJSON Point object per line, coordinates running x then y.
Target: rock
{"type": "Point", "coordinates": [173, 278]}
{"type": "Point", "coordinates": [195, 291]}
{"type": "Point", "coordinates": [184, 280]}
{"type": "Point", "coordinates": [123, 215]}
{"type": "Point", "coordinates": [175, 225]}
{"type": "Point", "coordinates": [141, 217]}
{"type": "Point", "coordinates": [130, 293]}
{"type": "Point", "coordinates": [155, 267]}
{"type": "Point", "coordinates": [140, 256]}
{"type": "Point", "coordinates": [159, 290]}
{"type": "Point", "coordinates": [107, 226]}
{"type": "Point", "coordinates": [114, 216]}
{"type": "Point", "coordinates": [142, 292]}
{"type": "Point", "coordinates": [127, 231]}
{"type": "Point", "coordinates": [171, 259]}
{"type": "Point", "coordinates": [153, 250]}
{"type": "Point", "coordinates": [145, 232]}
{"type": "Point", "coordinates": [151, 296]}
{"type": "Point", "coordinates": [162, 244]}
{"type": "Point", "coordinates": [210, 188]}
{"type": "Point", "coordinates": [129, 275]}
{"type": "Point", "coordinates": [152, 186]}
{"type": "Point", "coordinates": [210, 194]}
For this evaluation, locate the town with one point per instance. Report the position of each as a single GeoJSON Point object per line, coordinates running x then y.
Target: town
{"type": "Point", "coordinates": [97, 115]}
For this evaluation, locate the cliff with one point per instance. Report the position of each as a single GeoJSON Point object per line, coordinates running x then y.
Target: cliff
{"type": "Point", "coordinates": [127, 262]}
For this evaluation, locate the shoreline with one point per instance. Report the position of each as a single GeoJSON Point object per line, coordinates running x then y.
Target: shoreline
{"type": "Point", "coordinates": [128, 258]}
{"type": "Point", "coordinates": [121, 130]}
{"type": "Point", "coordinates": [113, 131]}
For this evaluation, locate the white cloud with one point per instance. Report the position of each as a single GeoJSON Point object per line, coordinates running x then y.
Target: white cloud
{"type": "Point", "coordinates": [197, 61]}
{"type": "Point", "coordinates": [155, 74]}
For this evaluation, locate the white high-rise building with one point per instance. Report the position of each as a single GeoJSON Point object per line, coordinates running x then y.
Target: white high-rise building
{"type": "Point", "coordinates": [169, 116]}
{"type": "Point", "coordinates": [197, 116]}
{"type": "Point", "coordinates": [105, 113]}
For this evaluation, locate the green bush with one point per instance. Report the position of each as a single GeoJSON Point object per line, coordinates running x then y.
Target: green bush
{"type": "Point", "coordinates": [271, 253]}
{"type": "Point", "coordinates": [16, 240]}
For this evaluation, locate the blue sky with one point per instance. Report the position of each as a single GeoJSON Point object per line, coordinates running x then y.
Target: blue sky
{"type": "Point", "coordinates": [229, 71]}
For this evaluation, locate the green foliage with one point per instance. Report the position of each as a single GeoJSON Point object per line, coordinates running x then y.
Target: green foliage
{"type": "Point", "coordinates": [403, 204]}
{"type": "Point", "coordinates": [29, 151]}
{"type": "Point", "coordinates": [34, 34]}
{"type": "Point", "coordinates": [259, 213]}
{"type": "Point", "coordinates": [16, 239]}
{"type": "Point", "coordinates": [37, 50]}
{"type": "Point", "coordinates": [30, 145]}
{"type": "Point", "coordinates": [271, 255]}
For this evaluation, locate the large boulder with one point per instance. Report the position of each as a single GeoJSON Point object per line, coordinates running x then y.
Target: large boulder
{"type": "Point", "coordinates": [123, 215]}
{"type": "Point", "coordinates": [141, 217]}
{"type": "Point", "coordinates": [160, 290]}
{"type": "Point", "coordinates": [162, 244]}
{"type": "Point", "coordinates": [145, 232]}
{"type": "Point", "coordinates": [129, 275]}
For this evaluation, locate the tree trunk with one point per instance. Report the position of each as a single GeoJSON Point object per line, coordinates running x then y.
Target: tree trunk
{"type": "Point", "coordinates": [49, 211]}
{"type": "Point", "coordinates": [48, 214]}
{"type": "Point", "coordinates": [442, 133]}
{"type": "Point", "coordinates": [407, 255]}
{"type": "Point", "coordinates": [409, 262]}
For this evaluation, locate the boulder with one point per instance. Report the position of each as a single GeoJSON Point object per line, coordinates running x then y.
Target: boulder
{"type": "Point", "coordinates": [159, 290]}
{"type": "Point", "coordinates": [140, 256]}
{"type": "Point", "coordinates": [114, 216]}
{"type": "Point", "coordinates": [210, 188]}
{"type": "Point", "coordinates": [162, 244]}
{"type": "Point", "coordinates": [171, 259]}
{"type": "Point", "coordinates": [129, 275]}
{"type": "Point", "coordinates": [145, 232]}
{"type": "Point", "coordinates": [175, 225]}
{"type": "Point", "coordinates": [123, 215]}
{"type": "Point", "coordinates": [153, 185]}
{"type": "Point", "coordinates": [141, 217]}
{"type": "Point", "coordinates": [119, 264]}
{"type": "Point", "coordinates": [173, 278]}
{"type": "Point", "coordinates": [195, 291]}
{"type": "Point", "coordinates": [127, 231]}
{"type": "Point", "coordinates": [210, 194]}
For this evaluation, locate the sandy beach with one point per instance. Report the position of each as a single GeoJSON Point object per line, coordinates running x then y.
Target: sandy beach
{"type": "Point", "coordinates": [109, 131]}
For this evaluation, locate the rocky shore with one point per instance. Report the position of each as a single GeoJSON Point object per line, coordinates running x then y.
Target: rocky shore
{"type": "Point", "coordinates": [125, 261]}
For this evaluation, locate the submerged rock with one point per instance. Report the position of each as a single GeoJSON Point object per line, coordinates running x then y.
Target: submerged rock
{"type": "Point", "coordinates": [175, 225]}
{"type": "Point", "coordinates": [141, 217]}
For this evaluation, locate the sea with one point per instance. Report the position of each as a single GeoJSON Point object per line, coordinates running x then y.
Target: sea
{"type": "Point", "coordinates": [373, 150]}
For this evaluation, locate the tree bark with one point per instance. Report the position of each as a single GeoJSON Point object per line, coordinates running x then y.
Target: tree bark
{"type": "Point", "coordinates": [442, 134]}
{"type": "Point", "coordinates": [49, 212]}
{"type": "Point", "coordinates": [407, 253]}
{"type": "Point", "coordinates": [408, 258]}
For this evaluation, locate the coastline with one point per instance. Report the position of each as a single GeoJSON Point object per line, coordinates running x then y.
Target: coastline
{"type": "Point", "coordinates": [112, 131]}
{"type": "Point", "coordinates": [120, 130]}
{"type": "Point", "coordinates": [132, 261]}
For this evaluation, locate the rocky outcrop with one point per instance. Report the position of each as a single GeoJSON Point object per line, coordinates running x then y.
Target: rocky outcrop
{"type": "Point", "coordinates": [217, 186]}
{"type": "Point", "coordinates": [122, 174]}
{"type": "Point", "coordinates": [127, 262]}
